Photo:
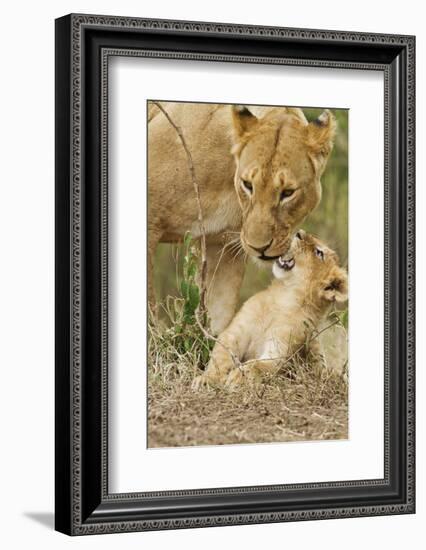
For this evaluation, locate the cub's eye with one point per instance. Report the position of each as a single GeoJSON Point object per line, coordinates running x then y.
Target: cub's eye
{"type": "Point", "coordinates": [286, 194]}
{"type": "Point", "coordinates": [247, 185]}
{"type": "Point", "coordinates": [319, 253]}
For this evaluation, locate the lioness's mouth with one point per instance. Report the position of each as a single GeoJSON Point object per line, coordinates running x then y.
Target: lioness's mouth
{"type": "Point", "coordinates": [286, 264]}
{"type": "Point", "coordinates": [267, 258]}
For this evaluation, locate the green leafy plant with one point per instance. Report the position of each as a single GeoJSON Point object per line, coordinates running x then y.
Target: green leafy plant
{"type": "Point", "coordinates": [343, 316]}
{"type": "Point", "coordinates": [183, 338]}
{"type": "Point", "coordinates": [188, 285]}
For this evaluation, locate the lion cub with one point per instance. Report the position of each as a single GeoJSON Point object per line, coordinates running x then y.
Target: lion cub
{"type": "Point", "coordinates": [277, 322]}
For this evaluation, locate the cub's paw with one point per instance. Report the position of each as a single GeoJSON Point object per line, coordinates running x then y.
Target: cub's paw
{"type": "Point", "coordinates": [247, 375]}
{"type": "Point", "coordinates": [203, 382]}
{"type": "Point", "coordinates": [235, 379]}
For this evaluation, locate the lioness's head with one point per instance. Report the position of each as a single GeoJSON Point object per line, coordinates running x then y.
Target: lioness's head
{"type": "Point", "coordinates": [279, 162]}
{"type": "Point", "coordinates": [312, 266]}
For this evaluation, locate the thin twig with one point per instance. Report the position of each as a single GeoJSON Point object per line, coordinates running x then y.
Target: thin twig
{"type": "Point", "coordinates": [232, 355]}
{"type": "Point", "coordinates": [202, 310]}
{"type": "Point", "coordinates": [203, 274]}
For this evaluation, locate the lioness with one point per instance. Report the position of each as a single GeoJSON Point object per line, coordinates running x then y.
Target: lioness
{"type": "Point", "coordinates": [276, 323]}
{"type": "Point", "coordinates": [258, 178]}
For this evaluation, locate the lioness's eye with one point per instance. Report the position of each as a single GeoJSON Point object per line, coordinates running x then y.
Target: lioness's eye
{"type": "Point", "coordinates": [286, 193]}
{"type": "Point", "coordinates": [247, 185]}
{"type": "Point", "coordinates": [319, 253]}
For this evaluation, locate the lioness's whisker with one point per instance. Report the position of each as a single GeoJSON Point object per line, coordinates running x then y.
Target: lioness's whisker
{"type": "Point", "coordinates": [237, 253]}
{"type": "Point", "coordinates": [232, 247]}
{"type": "Point", "coordinates": [235, 247]}
{"type": "Point", "coordinates": [231, 243]}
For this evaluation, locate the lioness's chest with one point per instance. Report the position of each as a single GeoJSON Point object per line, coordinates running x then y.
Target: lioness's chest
{"type": "Point", "coordinates": [221, 214]}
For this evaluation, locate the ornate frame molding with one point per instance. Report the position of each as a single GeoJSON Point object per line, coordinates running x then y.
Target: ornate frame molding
{"type": "Point", "coordinates": [72, 47]}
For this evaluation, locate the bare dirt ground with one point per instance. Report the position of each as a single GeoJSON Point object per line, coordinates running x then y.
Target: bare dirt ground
{"type": "Point", "coordinates": [302, 403]}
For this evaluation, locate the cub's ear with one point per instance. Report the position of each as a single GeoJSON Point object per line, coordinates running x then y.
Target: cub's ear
{"type": "Point", "coordinates": [335, 287]}
{"type": "Point", "coordinates": [320, 135]}
{"type": "Point", "coordinates": [243, 120]}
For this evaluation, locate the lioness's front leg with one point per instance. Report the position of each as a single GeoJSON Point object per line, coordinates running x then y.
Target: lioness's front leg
{"type": "Point", "coordinates": [224, 277]}
{"type": "Point", "coordinates": [153, 239]}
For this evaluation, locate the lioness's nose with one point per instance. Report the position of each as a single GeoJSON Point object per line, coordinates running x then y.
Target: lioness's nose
{"type": "Point", "coordinates": [261, 249]}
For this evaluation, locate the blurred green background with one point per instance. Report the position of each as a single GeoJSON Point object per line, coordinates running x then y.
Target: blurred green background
{"type": "Point", "coordinates": [329, 221]}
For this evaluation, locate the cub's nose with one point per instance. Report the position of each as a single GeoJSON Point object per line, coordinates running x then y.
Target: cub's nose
{"type": "Point", "coordinates": [261, 249]}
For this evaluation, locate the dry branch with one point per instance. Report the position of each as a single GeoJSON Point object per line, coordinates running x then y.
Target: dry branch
{"type": "Point", "coordinates": [202, 313]}
{"type": "Point", "coordinates": [203, 270]}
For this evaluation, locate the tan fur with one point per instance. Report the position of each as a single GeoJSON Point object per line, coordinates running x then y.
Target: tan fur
{"type": "Point", "coordinates": [275, 323]}
{"type": "Point", "coordinates": [277, 152]}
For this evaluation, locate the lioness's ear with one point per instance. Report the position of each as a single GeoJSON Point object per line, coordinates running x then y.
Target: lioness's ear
{"type": "Point", "coordinates": [320, 138]}
{"type": "Point", "coordinates": [335, 287]}
{"type": "Point", "coordinates": [243, 119]}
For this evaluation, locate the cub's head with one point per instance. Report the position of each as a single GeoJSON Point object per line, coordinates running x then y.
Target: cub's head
{"type": "Point", "coordinates": [279, 162]}
{"type": "Point", "coordinates": [313, 267]}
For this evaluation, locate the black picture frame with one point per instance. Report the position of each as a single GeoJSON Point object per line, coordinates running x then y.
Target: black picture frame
{"type": "Point", "coordinates": [83, 45]}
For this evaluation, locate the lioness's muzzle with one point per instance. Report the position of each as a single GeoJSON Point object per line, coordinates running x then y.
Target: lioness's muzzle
{"type": "Point", "coordinates": [267, 258]}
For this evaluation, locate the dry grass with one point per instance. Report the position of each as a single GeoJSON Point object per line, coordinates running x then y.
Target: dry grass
{"type": "Point", "coordinates": [302, 403]}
